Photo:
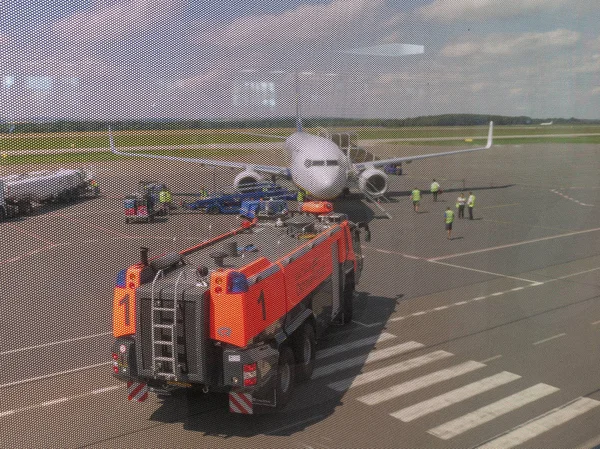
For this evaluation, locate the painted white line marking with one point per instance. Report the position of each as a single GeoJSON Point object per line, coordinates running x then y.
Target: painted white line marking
{"type": "Point", "coordinates": [367, 325]}
{"type": "Point", "coordinates": [516, 289]}
{"type": "Point", "coordinates": [491, 358]}
{"type": "Point", "coordinates": [479, 271]}
{"type": "Point", "coordinates": [595, 322]}
{"type": "Point", "coordinates": [510, 245]}
{"type": "Point", "coordinates": [497, 294]}
{"type": "Point", "coordinates": [53, 402]}
{"type": "Point", "coordinates": [460, 303]}
{"type": "Point", "coordinates": [492, 411]}
{"type": "Point", "coordinates": [542, 424]}
{"type": "Point", "coordinates": [47, 376]}
{"type": "Point", "coordinates": [479, 298]}
{"type": "Point", "coordinates": [441, 308]}
{"type": "Point", "coordinates": [420, 383]}
{"type": "Point", "coordinates": [31, 234]}
{"type": "Point", "coordinates": [548, 339]}
{"type": "Point", "coordinates": [379, 354]}
{"type": "Point", "coordinates": [105, 389]}
{"type": "Point", "coordinates": [54, 343]}
{"type": "Point", "coordinates": [453, 397]}
{"type": "Point", "coordinates": [381, 373]}
{"type": "Point", "coordinates": [419, 313]}
{"type": "Point", "coordinates": [368, 341]}
{"type": "Point", "coordinates": [58, 401]}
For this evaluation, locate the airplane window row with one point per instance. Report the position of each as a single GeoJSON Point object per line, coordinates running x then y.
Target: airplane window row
{"type": "Point", "coordinates": [330, 163]}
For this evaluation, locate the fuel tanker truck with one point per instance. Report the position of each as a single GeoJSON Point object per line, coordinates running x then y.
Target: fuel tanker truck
{"type": "Point", "coordinates": [19, 192]}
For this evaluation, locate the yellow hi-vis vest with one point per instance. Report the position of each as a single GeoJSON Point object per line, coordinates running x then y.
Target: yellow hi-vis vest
{"type": "Point", "coordinates": [435, 187]}
{"type": "Point", "coordinates": [164, 196]}
{"type": "Point", "coordinates": [471, 202]}
{"type": "Point", "coordinates": [449, 216]}
{"type": "Point", "coordinates": [416, 195]}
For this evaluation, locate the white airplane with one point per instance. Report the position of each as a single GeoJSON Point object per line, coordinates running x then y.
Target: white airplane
{"type": "Point", "coordinates": [318, 166]}
{"type": "Point", "coordinates": [546, 123]}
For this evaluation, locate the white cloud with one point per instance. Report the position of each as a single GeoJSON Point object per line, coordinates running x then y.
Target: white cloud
{"type": "Point", "coordinates": [109, 20]}
{"type": "Point", "coordinates": [321, 24]}
{"type": "Point", "coordinates": [455, 10]}
{"type": "Point", "coordinates": [512, 44]}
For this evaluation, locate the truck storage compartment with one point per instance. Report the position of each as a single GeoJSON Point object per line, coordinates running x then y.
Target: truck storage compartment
{"type": "Point", "coordinates": [180, 345]}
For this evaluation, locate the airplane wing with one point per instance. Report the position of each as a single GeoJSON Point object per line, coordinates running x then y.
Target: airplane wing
{"type": "Point", "coordinates": [269, 169]}
{"type": "Point", "coordinates": [396, 160]}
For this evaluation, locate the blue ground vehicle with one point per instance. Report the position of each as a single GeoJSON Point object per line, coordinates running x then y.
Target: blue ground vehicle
{"type": "Point", "coordinates": [264, 209]}
{"type": "Point", "coordinates": [230, 203]}
{"type": "Point", "coordinates": [393, 169]}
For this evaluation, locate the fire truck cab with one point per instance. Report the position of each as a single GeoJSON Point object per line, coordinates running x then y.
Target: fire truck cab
{"type": "Point", "coordinates": [240, 313]}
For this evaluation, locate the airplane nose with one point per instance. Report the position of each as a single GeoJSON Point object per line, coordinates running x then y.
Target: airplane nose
{"type": "Point", "coordinates": [329, 186]}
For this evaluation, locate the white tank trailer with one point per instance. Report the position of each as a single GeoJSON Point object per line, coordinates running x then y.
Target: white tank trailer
{"type": "Point", "coordinates": [18, 192]}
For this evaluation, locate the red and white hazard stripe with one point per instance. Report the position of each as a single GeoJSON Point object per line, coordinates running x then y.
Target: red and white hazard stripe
{"type": "Point", "coordinates": [137, 391]}
{"type": "Point", "coordinates": [240, 403]}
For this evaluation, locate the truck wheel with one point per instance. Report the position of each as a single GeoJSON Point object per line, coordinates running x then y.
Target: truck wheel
{"type": "Point", "coordinates": [285, 376]}
{"type": "Point", "coordinates": [2, 214]}
{"type": "Point", "coordinates": [304, 349]}
{"type": "Point", "coordinates": [348, 301]}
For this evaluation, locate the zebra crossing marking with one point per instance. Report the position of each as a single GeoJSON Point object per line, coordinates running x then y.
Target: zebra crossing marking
{"type": "Point", "coordinates": [420, 383]}
{"type": "Point", "coordinates": [415, 411]}
{"type": "Point", "coordinates": [491, 411]}
{"type": "Point", "coordinates": [372, 376]}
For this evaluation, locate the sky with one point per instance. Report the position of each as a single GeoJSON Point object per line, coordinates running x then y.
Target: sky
{"type": "Point", "coordinates": [221, 59]}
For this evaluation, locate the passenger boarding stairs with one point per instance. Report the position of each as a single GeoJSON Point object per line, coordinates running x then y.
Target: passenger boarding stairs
{"type": "Point", "coordinates": [164, 319]}
{"type": "Point", "coordinates": [348, 143]}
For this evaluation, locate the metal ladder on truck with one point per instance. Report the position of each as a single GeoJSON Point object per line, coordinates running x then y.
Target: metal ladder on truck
{"type": "Point", "coordinates": [161, 363]}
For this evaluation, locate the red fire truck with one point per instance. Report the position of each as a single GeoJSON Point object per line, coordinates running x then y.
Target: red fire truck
{"type": "Point", "coordinates": [240, 313]}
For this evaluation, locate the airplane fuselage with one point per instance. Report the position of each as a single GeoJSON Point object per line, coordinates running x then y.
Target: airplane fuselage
{"type": "Point", "coordinates": [318, 166]}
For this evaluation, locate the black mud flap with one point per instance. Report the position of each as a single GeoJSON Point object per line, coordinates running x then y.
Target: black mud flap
{"type": "Point", "coordinates": [257, 401]}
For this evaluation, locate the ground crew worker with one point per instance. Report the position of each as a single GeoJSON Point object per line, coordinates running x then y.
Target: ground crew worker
{"type": "Point", "coordinates": [95, 187]}
{"type": "Point", "coordinates": [165, 198]}
{"type": "Point", "coordinates": [435, 187]}
{"type": "Point", "coordinates": [460, 205]}
{"type": "Point", "coordinates": [449, 218]}
{"type": "Point", "coordinates": [203, 192]}
{"type": "Point", "coordinates": [416, 197]}
{"type": "Point", "coordinates": [300, 199]}
{"type": "Point", "coordinates": [471, 204]}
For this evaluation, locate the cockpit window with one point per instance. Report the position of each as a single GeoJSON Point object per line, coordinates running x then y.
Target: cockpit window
{"type": "Point", "coordinates": [318, 163]}
{"type": "Point", "coordinates": [332, 162]}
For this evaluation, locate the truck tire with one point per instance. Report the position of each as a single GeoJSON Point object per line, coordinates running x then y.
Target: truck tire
{"type": "Point", "coordinates": [285, 376]}
{"type": "Point", "coordinates": [304, 349]}
{"type": "Point", "coordinates": [3, 214]}
{"type": "Point", "coordinates": [348, 305]}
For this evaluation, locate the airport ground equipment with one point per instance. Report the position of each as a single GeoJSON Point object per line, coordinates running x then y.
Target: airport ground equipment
{"type": "Point", "coordinates": [230, 203]}
{"type": "Point", "coordinates": [269, 209]}
{"type": "Point", "coordinates": [19, 192]}
{"type": "Point", "coordinates": [316, 207]}
{"type": "Point", "coordinates": [239, 313]}
{"type": "Point", "coordinates": [393, 169]}
{"type": "Point", "coordinates": [138, 208]}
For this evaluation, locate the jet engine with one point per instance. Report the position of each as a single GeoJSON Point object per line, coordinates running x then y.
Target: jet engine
{"type": "Point", "coordinates": [247, 177]}
{"type": "Point", "coordinates": [373, 182]}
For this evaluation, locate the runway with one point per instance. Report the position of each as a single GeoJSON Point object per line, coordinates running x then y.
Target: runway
{"type": "Point", "coordinates": [486, 340]}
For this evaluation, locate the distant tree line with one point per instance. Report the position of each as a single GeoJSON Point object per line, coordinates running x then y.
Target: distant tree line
{"type": "Point", "coordinates": [65, 125]}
